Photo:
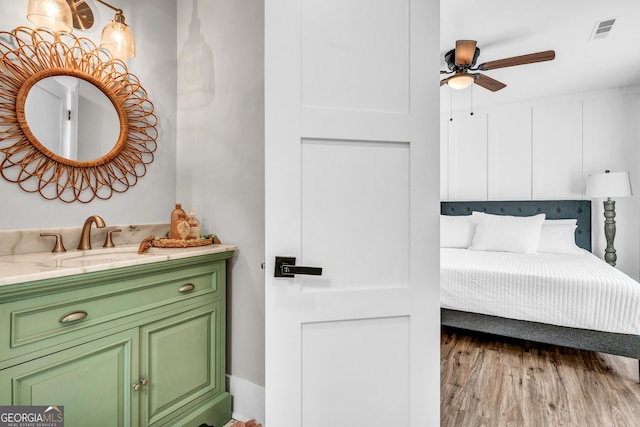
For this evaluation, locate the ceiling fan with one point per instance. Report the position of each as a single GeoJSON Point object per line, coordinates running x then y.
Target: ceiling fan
{"type": "Point", "coordinates": [462, 60]}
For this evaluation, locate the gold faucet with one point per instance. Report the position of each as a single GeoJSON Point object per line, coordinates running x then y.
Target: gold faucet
{"type": "Point", "coordinates": [85, 237]}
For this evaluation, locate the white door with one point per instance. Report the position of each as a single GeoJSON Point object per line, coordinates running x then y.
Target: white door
{"type": "Point", "coordinates": [47, 100]}
{"type": "Point", "coordinates": [352, 186]}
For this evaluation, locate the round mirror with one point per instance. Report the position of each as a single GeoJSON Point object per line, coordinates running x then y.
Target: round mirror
{"type": "Point", "coordinates": [72, 117]}
{"type": "Point", "coordinates": [90, 147]}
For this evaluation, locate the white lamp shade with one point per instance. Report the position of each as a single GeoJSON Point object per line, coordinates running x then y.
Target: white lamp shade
{"type": "Point", "coordinates": [608, 184]}
{"type": "Point", "coordinates": [118, 39]}
{"type": "Point", "coordinates": [53, 14]}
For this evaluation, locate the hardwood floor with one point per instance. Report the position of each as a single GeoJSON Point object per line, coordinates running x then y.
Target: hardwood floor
{"type": "Point", "coordinates": [493, 381]}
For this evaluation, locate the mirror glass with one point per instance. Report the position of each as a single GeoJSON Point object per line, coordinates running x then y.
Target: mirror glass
{"type": "Point", "coordinates": [72, 118]}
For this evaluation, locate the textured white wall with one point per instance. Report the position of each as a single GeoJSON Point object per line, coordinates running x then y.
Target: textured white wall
{"type": "Point", "coordinates": [220, 155]}
{"type": "Point", "coordinates": [150, 201]}
{"type": "Point", "coordinates": [545, 149]}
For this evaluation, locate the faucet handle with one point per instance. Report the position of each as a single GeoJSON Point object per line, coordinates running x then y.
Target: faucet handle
{"type": "Point", "coordinates": [108, 243]}
{"type": "Point", "coordinates": [58, 247]}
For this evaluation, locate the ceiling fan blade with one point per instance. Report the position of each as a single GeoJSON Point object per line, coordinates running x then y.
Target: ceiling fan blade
{"type": "Point", "coordinates": [465, 50]}
{"type": "Point", "coordinates": [489, 83]}
{"type": "Point", "coordinates": [443, 82]}
{"type": "Point", "coordinates": [547, 55]}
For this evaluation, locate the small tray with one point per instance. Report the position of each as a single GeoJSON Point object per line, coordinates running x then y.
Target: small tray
{"type": "Point", "coordinates": [179, 243]}
{"type": "Point", "coordinates": [151, 241]}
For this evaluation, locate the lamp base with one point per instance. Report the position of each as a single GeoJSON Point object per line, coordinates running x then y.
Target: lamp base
{"type": "Point", "coordinates": [610, 231]}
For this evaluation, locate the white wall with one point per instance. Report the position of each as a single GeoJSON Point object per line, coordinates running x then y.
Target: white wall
{"type": "Point", "coordinates": [545, 149]}
{"type": "Point", "coordinates": [151, 200]}
{"type": "Point", "coordinates": [220, 155]}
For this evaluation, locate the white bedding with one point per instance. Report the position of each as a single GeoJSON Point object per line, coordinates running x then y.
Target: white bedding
{"type": "Point", "coordinates": [579, 291]}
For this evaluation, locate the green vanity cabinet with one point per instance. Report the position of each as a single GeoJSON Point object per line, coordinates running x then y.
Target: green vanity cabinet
{"type": "Point", "coordinates": [92, 382]}
{"type": "Point", "coordinates": [140, 346]}
{"type": "Point", "coordinates": [180, 351]}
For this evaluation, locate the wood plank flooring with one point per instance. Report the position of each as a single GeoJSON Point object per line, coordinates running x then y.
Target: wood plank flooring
{"type": "Point", "coordinates": [494, 381]}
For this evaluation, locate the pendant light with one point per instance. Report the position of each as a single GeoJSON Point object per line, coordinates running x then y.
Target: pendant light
{"type": "Point", "coordinates": [117, 37]}
{"type": "Point", "coordinates": [54, 14]}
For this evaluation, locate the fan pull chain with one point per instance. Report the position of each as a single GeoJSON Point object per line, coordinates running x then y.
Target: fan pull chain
{"type": "Point", "coordinates": [471, 114]}
{"type": "Point", "coordinates": [450, 105]}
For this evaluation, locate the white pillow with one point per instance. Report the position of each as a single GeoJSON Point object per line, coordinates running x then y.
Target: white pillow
{"type": "Point", "coordinates": [504, 233]}
{"type": "Point", "coordinates": [456, 231]}
{"type": "Point", "coordinates": [559, 237]}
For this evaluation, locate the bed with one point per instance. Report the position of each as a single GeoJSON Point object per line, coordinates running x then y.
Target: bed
{"type": "Point", "coordinates": [605, 338]}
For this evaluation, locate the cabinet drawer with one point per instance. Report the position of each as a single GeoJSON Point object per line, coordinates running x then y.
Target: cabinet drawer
{"type": "Point", "coordinates": [52, 318]}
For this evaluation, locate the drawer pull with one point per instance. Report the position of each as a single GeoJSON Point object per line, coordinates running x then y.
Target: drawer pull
{"type": "Point", "coordinates": [73, 316]}
{"type": "Point", "coordinates": [186, 288]}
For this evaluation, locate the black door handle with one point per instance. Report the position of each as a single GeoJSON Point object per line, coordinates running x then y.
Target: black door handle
{"type": "Point", "coordinates": [286, 267]}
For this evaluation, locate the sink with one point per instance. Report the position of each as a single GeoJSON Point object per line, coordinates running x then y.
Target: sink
{"type": "Point", "coordinates": [97, 256]}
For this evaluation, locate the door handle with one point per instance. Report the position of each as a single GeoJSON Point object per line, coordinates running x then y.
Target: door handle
{"type": "Point", "coordinates": [286, 267]}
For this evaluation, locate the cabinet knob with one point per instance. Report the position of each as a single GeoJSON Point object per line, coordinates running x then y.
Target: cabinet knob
{"type": "Point", "coordinates": [137, 386]}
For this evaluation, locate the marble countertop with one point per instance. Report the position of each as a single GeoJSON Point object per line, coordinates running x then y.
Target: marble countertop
{"type": "Point", "coordinates": [44, 265]}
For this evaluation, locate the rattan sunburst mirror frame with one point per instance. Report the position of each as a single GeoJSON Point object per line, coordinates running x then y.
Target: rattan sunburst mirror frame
{"type": "Point", "coordinates": [29, 55]}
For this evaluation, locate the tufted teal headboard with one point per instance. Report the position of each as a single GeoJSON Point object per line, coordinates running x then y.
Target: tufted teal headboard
{"type": "Point", "coordinates": [554, 209]}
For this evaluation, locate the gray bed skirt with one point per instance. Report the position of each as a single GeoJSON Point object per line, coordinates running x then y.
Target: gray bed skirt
{"type": "Point", "coordinates": [583, 339]}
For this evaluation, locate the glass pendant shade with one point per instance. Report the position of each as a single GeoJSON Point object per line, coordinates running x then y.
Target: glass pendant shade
{"type": "Point", "coordinates": [53, 14]}
{"type": "Point", "coordinates": [118, 39]}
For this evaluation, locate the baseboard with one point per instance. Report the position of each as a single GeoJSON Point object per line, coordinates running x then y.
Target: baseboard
{"type": "Point", "coordinates": [248, 399]}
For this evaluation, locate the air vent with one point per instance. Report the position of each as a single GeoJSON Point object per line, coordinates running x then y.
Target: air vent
{"type": "Point", "coordinates": [602, 29]}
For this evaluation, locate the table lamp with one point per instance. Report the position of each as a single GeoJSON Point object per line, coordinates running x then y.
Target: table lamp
{"type": "Point", "coordinates": [608, 185]}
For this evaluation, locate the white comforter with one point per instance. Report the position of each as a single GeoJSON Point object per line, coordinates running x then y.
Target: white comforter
{"type": "Point", "coordinates": [579, 291]}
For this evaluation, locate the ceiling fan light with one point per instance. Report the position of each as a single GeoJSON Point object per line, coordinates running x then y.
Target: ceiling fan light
{"type": "Point", "coordinates": [461, 81]}
{"type": "Point", "coordinates": [54, 14]}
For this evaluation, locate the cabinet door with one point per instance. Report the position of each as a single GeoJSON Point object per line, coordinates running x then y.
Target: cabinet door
{"type": "Point", "coordinates": [92, 381]}
{"type": "Point", "coordinates": [183, 358]}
